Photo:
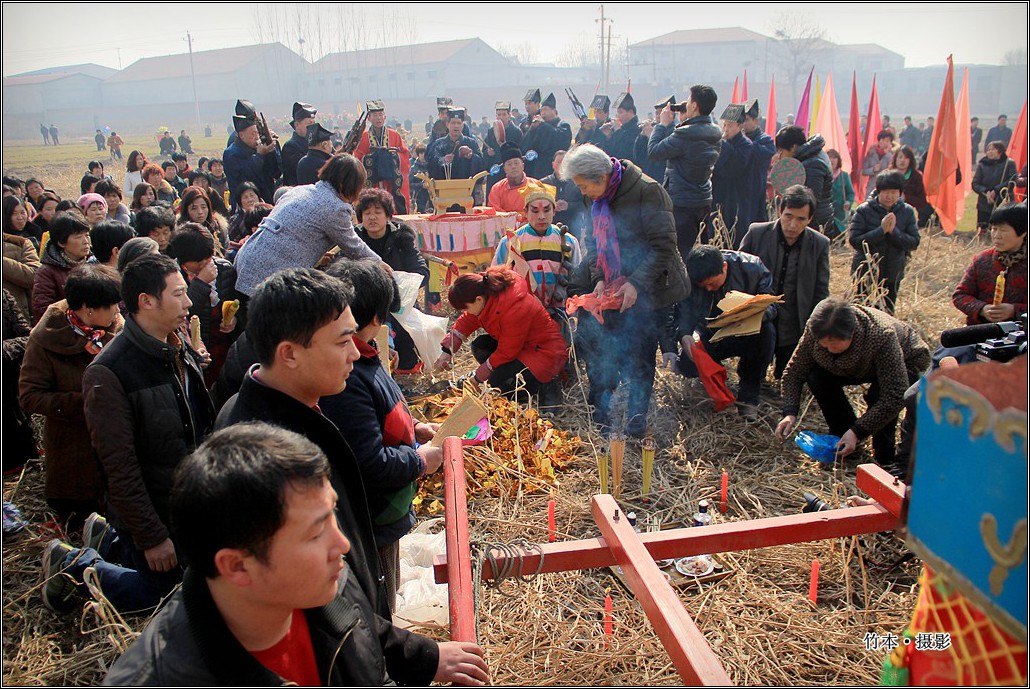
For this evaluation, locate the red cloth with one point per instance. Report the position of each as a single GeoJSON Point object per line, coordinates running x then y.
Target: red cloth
{"type": "Point", "coordinates": [713, 377]}
{"type": "Point", "coordinates": [393, 140]}
{"type": "Point", "coordinates": [597, 305]}
{"type": "Point", "coordinates": [523, 330]}
{"type": "Point", "coordinates": [293, 657]}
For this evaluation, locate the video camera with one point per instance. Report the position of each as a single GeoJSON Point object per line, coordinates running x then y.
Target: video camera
{"type": "Point", "coordinates": [992, 341]}
{"type": "Point", "coordinates": [678, 107]}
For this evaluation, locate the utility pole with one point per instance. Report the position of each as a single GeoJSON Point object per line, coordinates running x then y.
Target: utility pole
{"type": "Point", "coordinates": [608, 61]}
{"type": "Point", "coordinates": [606, 55]}
{"type": "Point", "coordinates": [193, 77]}
{"type": "Point", "coordinates": [119, 59]}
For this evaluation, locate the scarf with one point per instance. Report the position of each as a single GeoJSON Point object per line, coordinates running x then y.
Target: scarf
{"type": "Point", "coordinates": [94, 336]}
{"type": "Point", "coordinates": [609, 260]}
{"type": "Point", "coordinates": [1011, 258]}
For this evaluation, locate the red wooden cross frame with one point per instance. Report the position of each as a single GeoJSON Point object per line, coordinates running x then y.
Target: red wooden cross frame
{"type": "Point", "coordinates": [635, 552]}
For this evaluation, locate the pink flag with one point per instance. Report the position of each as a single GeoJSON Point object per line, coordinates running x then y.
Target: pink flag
{"type": "Point", "coordinates": [965, 143]}
{"type": "Point", "coordinates": [736, 84]}
{"type": "Point", "coordinates": [802, 116]}
{"type": "Point", "coordinates": [855, 137]}
{"type": "Point", "coordinates": [828, 124]}
{"type": "Point", "coordinates": [743, 91]}
{"type": "Point", "coordinates": [770, 114]}
{"type": "Point", "coordinates": [1018, 149]}
{"type": "Point", "coordinates": [872, 128]}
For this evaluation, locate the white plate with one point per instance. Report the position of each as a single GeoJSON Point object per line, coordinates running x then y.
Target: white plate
{"type": "Point", "coordinates": [696, 566]}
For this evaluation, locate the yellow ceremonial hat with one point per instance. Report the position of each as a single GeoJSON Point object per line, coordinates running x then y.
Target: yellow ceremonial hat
{"type": "Point", "coordinates": [537, 190]}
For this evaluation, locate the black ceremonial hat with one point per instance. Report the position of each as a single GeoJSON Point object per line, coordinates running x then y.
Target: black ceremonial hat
{"type": "Point", "coordinates": [302, 110]}
{"type": "Point", "coordinates": [375, 106]}
{"type": "Point", "coordinates": [444, 102]}
{"type": "Point", "coordinates": [550, 102]}
{"type": "Point", "coordinates": [734, 112]}
{"type": "Point", "coordinates": [751, 108]}
{"type": "Point", "coordinates": [455, 112]}
{"type": "Point", "coordinates": [625, 101]}
{"type": "Point", "coordinates": [601, 102]}
{"type": "Point", "coordinates": [502, 105]}
{"type": "Point", "coordinates": [241, 122]}
{"type": "Point", "coordinates": [660, 105]}
{"type": "Point", "coordinates": [245, 108]}
{"type": "Point", "coordinates": [532, 96]}
{"type": "Point", "coordinates": [509, 151]}
{"type": "Point", "coordinates": [317, 134]}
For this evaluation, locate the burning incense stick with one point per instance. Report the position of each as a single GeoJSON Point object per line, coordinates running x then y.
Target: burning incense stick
{"type": "Point", "coordinates": [617, 448]}
{"type": "Point", "coordinates": [647, 461]}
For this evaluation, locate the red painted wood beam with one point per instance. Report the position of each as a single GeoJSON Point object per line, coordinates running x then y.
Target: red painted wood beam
{"type": "Point", "coordinates": [691, 655]}
{"type": "Point", "coordinates": [881, 487]}
{"type": "Point", "coordinates": [459, 561]}
{"type": "Point", "coordinates": [593, 553]}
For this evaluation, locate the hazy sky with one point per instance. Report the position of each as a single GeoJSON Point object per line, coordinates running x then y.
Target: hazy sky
{"type": "Point", "coordinates": [37, 35]}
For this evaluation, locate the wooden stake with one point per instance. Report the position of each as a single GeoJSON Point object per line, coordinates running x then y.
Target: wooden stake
{"type": "Point", "coordinates": [552, 530]}
{"type": "Point", "coordinates": [602, 471]}
{"type": "Point", "coordinates": [647, 462]}
{"type": "Point", "coordinates": [723, 494]}
{"type": "Point", "coordinates": [813, 582]}
{"type": "Point", "coordinates": [609, 620]}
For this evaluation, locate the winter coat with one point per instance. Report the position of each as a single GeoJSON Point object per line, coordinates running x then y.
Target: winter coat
{"type": "Point", "coordinates": [308, 221]}
{"type": "Point", "coordinates": [763, 240]}
{"type": "Point", "coordinates": [200, 293]}
{"type": "Point", "coordinates": [48, 284]}
{"type": "Point", "coordinates": [32, 232]}
{"type": "Point", "coordinates": [397, 248]}
{"type": "Point", "coordinates": [892, 249]}
{"type": "Point", "coordinates": [976, 289]}
{"type": "Point", "coordinates": [292, 151]}
{"type": "Point", "coordinates": [546, 138]}
{"type": "Point", "coordinates": [132, 179]}
{"type": "Point", "coordinates": [51, 385]}
{"type": "Point", "coordinates": [992, 175]}
{"type": "Point", "coordinates": [19, 442]}
{"type": "Point", "coordinates": [626, 142]}
{"type": "Point", "coordinates": [914, 192]}
{"type": "Point", "coordinates": [761, 156]}
{"type": "Point", "coordinates": [642, 217]}
{"type": "Point", "coordinates": [146, 409]}
{"type": "Point", "coordinates": [309, 165]}
{"type": "Point", "coordinates": [690, 151]}
{"type": "Point", "coordinates": [523, 330]}
{"type": "Point", "coordinates": [818, 177]}
{"type": "Point", "coordinates": [189, 644]}
{"type": "Point", "coordinates": [259, 402]}
{"type": "Point", "coordinates": [843, 198]}
{"type": "Point", "coordinates": [882, 347]}
{"type": "Point", "coordinates": [20, 265]}
{"type": "Point", "coordinates": [243, 164]}
{"type": "Point", "coordinates": [374, 419]}
{"type": "Point", "coordinates": [731, 185]}
{"type": "Point", "coordinates": [121, 214]}
{"type": "Point", "coordinates": [874, 164]}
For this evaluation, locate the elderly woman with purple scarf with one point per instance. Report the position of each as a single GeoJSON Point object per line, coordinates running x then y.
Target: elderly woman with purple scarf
{"type": "Point", "coordinates": [632, 252]}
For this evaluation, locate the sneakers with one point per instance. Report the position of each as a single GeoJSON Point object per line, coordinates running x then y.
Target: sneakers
{"type": "Point", "coordinates": [93, 531]}
{"type": "Point", "coordinates": [59, 591]}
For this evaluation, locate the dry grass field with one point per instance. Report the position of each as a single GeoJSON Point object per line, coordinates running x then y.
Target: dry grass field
{"type": "Point", "coordinates": [548, 631]}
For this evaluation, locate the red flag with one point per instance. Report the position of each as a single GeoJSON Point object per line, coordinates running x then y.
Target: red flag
{"type": "Point", "coordinates": [942, 158]}
{"type": "Point", "coordinates": [1017, 149]}
{"type": "Point", "coordinates": [736, 83]}
{"type": "Point", "coordinates": [827, 123]}
{"type": "Point", "coordinates": [855, 137]}
{"type": "Point", "coordinates": [872, 128]}
{"type": "Point", "coordinates": [803, 116]}
{"type": "Point", "coordinates": [743, 91]}
{"type": "Point", "coordinates": [770, 115]}
{"type": "Point", "coordinates": [964, 137]}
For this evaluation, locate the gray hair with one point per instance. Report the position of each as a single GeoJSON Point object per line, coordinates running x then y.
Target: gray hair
{"type": "Point", "coordinates": [586, 161]}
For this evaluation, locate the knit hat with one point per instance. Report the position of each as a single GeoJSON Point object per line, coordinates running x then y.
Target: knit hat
{"type": "Point", "coordinates": [87, 200]}
{"type": "Point", "coordinates": [510, 151]}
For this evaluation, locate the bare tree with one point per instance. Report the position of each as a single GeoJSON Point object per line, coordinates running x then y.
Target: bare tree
{"type": "Point", "coordinates": [801, 44]}
{"type": "Point", "coordinates": [580, 53]}
{"type": "Point", "coordinates": [1015, 57]}
{"type": "Point", "coordinates": [520, 53]}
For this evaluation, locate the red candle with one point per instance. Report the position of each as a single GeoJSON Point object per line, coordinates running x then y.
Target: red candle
{"type": "Point", "coordinates": [723, 493]}
{"type": "Point", "coordinates": [608, 619]}
{"type": "Point", "coordinates": [813, 582]}
{"type": "Point", "coordinates": [551, 528]}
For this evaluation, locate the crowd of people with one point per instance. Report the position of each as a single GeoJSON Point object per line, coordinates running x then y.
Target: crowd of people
{"type": "Point", "coordinates": [215, 412]}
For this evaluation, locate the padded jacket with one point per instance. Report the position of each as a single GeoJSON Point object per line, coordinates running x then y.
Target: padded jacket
{"type": "Point", "coordinates": [894, 248]}
{"type": "Point", "coordinates": [690, 151]}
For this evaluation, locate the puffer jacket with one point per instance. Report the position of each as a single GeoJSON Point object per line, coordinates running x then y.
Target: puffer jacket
{"type": "Point", "coordinates": [189, 644]}
{"type": "Point", "coordinates": [894, 248]}
{"type": "Point", "coordinates": [992, 175]}
{"type": "Point", "coordinates": [51, 385]}
{"type": "Point", "coordinates": [690, 151]}
{"type": "Point", "coordinates": [144, 417]}
{"type": "Point", "coordinates": [818, 177]}
{"type": "Point", "coordinates": [48, 283]}
{"type": "Point", "coordinates": [20, 265]}
{"type": "Point", "coordinates": [642, 213]}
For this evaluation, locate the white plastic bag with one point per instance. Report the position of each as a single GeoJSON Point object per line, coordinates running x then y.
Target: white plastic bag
{"type": "Point", "coordinates": [419, 598]}
{"type": "Point", "coordinates": [408, 285]}
{"type": "Point", "coordinates": [427, 332]}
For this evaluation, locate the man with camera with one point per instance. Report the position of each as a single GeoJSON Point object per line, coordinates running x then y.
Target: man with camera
{"type": "Point", "coordinates": [689, 150]}
{"type": "Point", "coordinates": [253, 157]}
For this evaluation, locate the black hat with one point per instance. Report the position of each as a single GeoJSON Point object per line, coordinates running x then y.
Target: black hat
{"type": "Point", "coordinates": [532, 96]}
{"type": "Point", "coordinates": [245, 108]}
{"type": "Point", "coordinates": [601, 103]}
{"type": "Point", "coordinates": [241, 122]}
{"type": "Point", "coordinates": [503, 105]}
{"type": "Point", "coordinates": [734, 112]}
{"type": "Point", "coordinates": [549, 102]}
{"type": "Point", "coordinates": [455, 112]}
{"type": "Point", "coordinates": [660, 105]}
{"type": "Point", "coordinates": [375, 106]}
{"type": "Point", "coordinates": [443, 102]}
{"type": "Point", "coordinates": [317, 134]}
{"type": "Point", "coordinates": [625, 101]}
{"type": "Point", "coordinates": [751, 108]}
{"type": "Point", "coordinates": [302, 110]}
{"type": "Point", "coordinates": [509, 151]}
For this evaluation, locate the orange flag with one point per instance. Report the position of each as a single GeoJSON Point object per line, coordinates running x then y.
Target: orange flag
{"type": "Point", "coordinates": [828, 123]}
{"type": "Point", "coordinates": [872, 128]}
{"type": "Point", "coordinates": [964, 139]}
{"type": "Point", "coordinates": [743, 90]}
{"type": "Point", "coordinates": [942, 158]}
{"type": "Point", "coordinates": [770, 115]}
{"type": "Point", "coordinates": [736, 84]}
{"type": "Point", "coordinates": [855, 137]}
{"type": "Point", "coordinates": [1017, 148]}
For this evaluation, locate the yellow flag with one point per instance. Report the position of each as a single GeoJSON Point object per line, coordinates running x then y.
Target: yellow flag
{"type": "Point", "coordinates": [814, 110]}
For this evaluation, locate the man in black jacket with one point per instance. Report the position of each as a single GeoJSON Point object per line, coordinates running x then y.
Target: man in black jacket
{"type": "Point", "coordinates": [626, 141]}
{"type": "Point", "coordinates": [798, 258]}
{"type": "Point", "coordinates": [146, 408]}
{"type": "Point", "coordinates": [546, 134]}
{"type": "Point", "coordinates": [319, 151]}
{"type": "Point", "coordinates": [267, 598]}
{"type": "Point", "coordinates": [791, 142]}
{"type": "Point", "coordinates": [297, 146]}
{"type": "Point", "coordinates": [715, 273]}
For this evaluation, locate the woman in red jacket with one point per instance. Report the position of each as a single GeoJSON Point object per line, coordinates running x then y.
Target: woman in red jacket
{"type": "Point", "coordinates": [521, 338]}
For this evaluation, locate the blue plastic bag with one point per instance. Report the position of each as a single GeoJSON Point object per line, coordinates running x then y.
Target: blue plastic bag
{"type": "Point", "coordinates": [822, 448]}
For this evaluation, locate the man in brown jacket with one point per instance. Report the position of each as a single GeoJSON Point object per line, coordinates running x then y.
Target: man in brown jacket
{"type": "Point", "coordinates": [146, 408]}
